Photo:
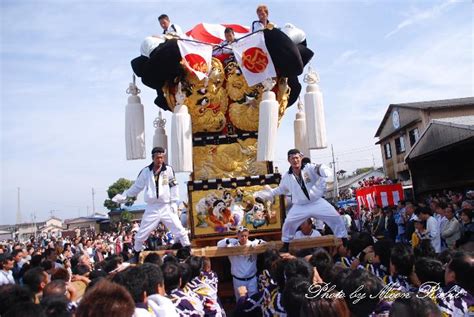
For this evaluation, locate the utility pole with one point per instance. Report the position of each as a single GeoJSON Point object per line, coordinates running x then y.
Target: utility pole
{"type": "Point", "coordinates": [373, 160]}
{"type": "Point", "coordinates": [34, 224]}
{"type": "Point", "coordinates": [337, 178]}
{"type": "Point", "coordinates": [93, 202]}
{"type": "Point", "coordinates": [335, 189]}
{"type": "Point", "coordinates": [18, 210]}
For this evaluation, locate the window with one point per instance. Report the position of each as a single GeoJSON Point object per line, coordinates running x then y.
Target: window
{"type": "Point", "coordinates": [388, 151]}
{"type": "Point", "coordinates": [414, 136]}
{"type": "Point", "coordinates": [400, 144]}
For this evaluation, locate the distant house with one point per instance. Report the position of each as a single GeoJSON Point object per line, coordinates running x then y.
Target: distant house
{"type": "Point", "coordinates": [97, 222]}
{"type": "Point", "coordinates": [7, 232]}
{"type": "Point", "coordinates": [26, 230]}
{"type": "Point", "coordinates": [136, 211]}
{"type": "Point", "coordinates": [404, 123]}
{"type": "Point", "coordinates": [52, 227]}
{"type": "Point", "coordinates": [346, 185]}
{"type": "Point", "coordinates": [6, 235]}
{"type": "Point", "coordinates": [443, 157]}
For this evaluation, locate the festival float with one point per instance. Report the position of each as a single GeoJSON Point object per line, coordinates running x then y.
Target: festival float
{"type": "Point", "coordinates": [226, 103]}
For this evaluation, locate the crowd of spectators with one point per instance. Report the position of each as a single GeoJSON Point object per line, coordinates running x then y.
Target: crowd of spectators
{"type": "Point", "coordinates": [414, 259]}
{"type": "Point", "coordinates": [445, 219]}
{"type": "Point", "coordinates": [372, 180]}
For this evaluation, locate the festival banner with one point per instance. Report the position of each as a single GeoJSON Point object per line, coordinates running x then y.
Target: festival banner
{"type": "Point", "coordinates": [254, 59]}
{"type": "Point", "coordinates": [196, 57]}
{"type": "Point", "coordinates": [382, 195]}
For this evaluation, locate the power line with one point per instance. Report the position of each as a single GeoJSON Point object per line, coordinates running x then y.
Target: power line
{"type": "Point", "coordinates": [357, 149]}
{"type": "Point", "coordinates": [319, 158]}
{"type": "Point", "coordinates": [346, 153]}
{"type": "Point", "coordinates": [358, 160]}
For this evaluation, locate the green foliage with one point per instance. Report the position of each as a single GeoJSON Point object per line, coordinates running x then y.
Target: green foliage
{"type": "Point", "coordinates": [117, 188]}
{"type": "Point", "coordinates": [362, 170]}
{"type": "Point", "coordinates": [126, 216]}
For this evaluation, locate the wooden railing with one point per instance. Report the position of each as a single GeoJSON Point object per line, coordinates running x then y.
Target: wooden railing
{"type": "Point", "coordinates": [214, 251]}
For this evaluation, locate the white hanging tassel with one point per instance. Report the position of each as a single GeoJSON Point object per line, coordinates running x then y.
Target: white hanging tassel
{"type": "Point", "coordinates": [160, 138]}
{"type": "Point", "coordinates": [134, 125]}
{"type": "Point", "coordinates": [315, 122]}
{"type": "Point", "coordinates": [181, 136]}
{"type": "Point", "coordinates": [267, 123]}
{"type": "Point", "coordinates": [301, 140]}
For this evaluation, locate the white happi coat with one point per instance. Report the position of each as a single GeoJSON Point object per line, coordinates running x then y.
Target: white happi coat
{"type": "Point", "coordinates": [304, 207]}
{"type": "Point", "coordinates": [314, 177]}
{"type": "Point", "coordinates": [242, 266]}
{"type": "Point", "coordinates": [167, 189]}
{"type": "Point", "coordinates": [162, 204]}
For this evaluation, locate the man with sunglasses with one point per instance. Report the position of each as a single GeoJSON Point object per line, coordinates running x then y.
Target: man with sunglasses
{"type": "Point", "coordinates": [306, 183]}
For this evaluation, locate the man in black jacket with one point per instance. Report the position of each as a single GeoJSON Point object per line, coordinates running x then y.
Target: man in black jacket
{"type": "Point", "coordinates": [391, 228]}
{"type": "Point", "coordinates": [410, 218]}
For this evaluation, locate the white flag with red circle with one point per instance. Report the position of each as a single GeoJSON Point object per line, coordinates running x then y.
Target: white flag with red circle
{"type": "Point", "coordinates": [196, 57]}
{"type": "Point", "coordinates": [254, 59]}
{"type": "Point", "coordinates": [214, 33]}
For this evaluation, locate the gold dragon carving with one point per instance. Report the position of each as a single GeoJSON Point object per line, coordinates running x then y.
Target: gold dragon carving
{"type": "Point", "coordinates": [227, 160]}
{"type": "Point", "coordinates": [223, 98]}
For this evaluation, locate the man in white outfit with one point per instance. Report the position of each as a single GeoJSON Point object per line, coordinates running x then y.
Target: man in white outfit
{"type": "Point", "coordinates": [168, 27]}
{"type": "Point", "coordinates": [432, 229]}
{"type": "Point", "coordinates": [242, 267]}
{"type": "Point", "coordinates": [306, 184]}
{"type": "Point", "coordinates": [161, 195]}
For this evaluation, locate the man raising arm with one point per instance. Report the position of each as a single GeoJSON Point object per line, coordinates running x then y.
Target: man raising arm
{"type": "Point", "coordinates": [161, 195]}
{"type": "Point", "coordinates": [306, 184]}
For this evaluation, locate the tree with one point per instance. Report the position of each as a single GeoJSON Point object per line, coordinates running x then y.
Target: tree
{"type": "Point", "coordinates": [363, 170]}
{"type": "Point", "coordinates": [126, 216]}
{"type": "Point", "coordinates": [117, 188]}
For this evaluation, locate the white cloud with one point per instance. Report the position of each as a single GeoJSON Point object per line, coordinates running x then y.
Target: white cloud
{"type": "Point", "coordinates": [345, 57]}
{"type": "Point", "coordinates": [420, 16]}
{"type": "Point", "coordinates": [425, 69]}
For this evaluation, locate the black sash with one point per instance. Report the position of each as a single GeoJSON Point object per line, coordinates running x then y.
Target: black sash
{"type": "Point", "coordinates": [172, 26]}
{"type": "Point", "coordinates": [300, 182]}
{"type": "Point", "coordinates": [244, 278]}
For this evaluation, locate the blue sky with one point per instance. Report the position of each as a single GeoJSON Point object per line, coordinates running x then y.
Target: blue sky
{"type": "Point", "coordinates": [65, 66]}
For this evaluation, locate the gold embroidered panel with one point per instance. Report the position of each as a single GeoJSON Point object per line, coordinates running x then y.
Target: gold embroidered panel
{"type": "Point", "coordinates": [228, 160]}
{"type": "Point", "coordinates": [218, 210]}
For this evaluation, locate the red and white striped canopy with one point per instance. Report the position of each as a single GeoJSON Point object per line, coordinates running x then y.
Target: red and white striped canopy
{"type": "Point", "coordinates": [214, 33]}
